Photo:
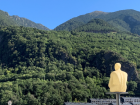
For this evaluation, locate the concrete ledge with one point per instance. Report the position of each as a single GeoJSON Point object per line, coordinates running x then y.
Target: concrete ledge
{"type": "Point", "coordinates": [117, 93]}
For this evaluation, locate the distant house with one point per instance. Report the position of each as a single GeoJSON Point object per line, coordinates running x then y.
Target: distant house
{"type": "Point", "coordinates": [136, 103]}
{"type": "Point", "coordinates": [133, 100]}
{"type": "Point", "coordinates": [123, 100]}
{"type": "Point", "coordinates": [126, 103]}
{"type": "Point", "coordinates": [112, 104]}
{"type": "Point", "coordinates": [72, 103]}
{"type": "Point", "coordinates": [102, 101]}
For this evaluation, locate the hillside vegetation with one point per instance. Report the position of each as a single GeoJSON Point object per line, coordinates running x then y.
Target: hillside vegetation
{"type": "Point", "coordinates": [6, 20]}
{"type": "Point", "coordinates": [27, 23]}
{"type": "Point", "coordinates": [51, 67]}
{"type": "Point", "coordinates": [124, 20]}
{"type": "Point", "coordinates": [96, 26]}
{"type": "Point", "coordinates": [78, 21]}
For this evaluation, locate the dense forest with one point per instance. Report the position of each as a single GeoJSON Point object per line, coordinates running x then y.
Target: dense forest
{"type": "Point", "coordinates": [71, 63]}
{"type": "Point", "coordinates": [52, 67]}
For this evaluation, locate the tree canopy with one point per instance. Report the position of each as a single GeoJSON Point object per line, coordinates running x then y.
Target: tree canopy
{"type": "Point", "coordinates": [51, 67]}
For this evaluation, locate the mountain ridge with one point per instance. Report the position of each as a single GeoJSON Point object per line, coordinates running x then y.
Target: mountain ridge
{"type": "Point", "coordinates": [7, 20]}
{"type": "Point", "coordinates": [27, 23]}
{"type": "Point", "coordinates": [97, 25]}
{"type": "Point", "coordinates": [120, 19]}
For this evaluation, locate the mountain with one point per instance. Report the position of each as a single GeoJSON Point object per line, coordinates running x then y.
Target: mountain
{"type": "Point", "coordinates": [6, 20]}
{"type": "Point", "coordinates": [70, 25]}
{"type": "Point", "coordinates": [27, 23]}
{"type": "Point", "coordinates": [95, 26]}
{"type": "Point", "coordinates": [124, 20]}
{"type": "Point", "coordinates": [78, 21]}
{"type": "Point", "coordinates": [52, 67]}
{"type": "Point", "coordinates": [39, 67]}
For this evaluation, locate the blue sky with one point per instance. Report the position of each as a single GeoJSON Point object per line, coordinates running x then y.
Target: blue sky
{"type": "Point", "coordinates": [52, 13]}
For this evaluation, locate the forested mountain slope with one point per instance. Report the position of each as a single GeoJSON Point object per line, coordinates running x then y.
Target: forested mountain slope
{"type": "Point", "coordinates": [127, 20]}
{"type": "Point", "coordinates": [124, 20]}
{"type": "Point", "coordinates": [78, 21]}
{"type": "Point", "coordinates": [51, 67]}
{"type": "Point", "coordinates": [96, 26]}
{"type": "Point", "coordinates": [6, 20]}
{"type": "Point", "coordinates": [28, 23]}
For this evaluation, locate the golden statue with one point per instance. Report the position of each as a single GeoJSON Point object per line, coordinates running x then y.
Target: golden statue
{"type": "Point", "coordinates": [118, 79]}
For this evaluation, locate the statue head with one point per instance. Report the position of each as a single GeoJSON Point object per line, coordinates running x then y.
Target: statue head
{"type": "Point", "coordinates": [117, 66]}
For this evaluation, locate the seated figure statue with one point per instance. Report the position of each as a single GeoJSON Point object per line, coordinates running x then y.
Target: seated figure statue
{"type": "Point", "coordinates": [118, 79]}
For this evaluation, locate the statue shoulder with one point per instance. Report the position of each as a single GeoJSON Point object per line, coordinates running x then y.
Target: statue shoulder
{"type": "Point", "coordinates": [113, 73]}
{"type": "Point", "coordinates": [124, 72]}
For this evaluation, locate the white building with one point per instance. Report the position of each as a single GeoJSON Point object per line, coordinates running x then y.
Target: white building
{"type": "Point", "coordinates": [102, 101]}
{"type": "Point", "coordinates": [133, 100]}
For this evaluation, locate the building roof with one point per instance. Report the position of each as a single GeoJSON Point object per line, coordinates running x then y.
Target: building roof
{"type": "Point", "coordinates": [73, 103]}
{"type": "Point", "coordinates": [101, 99]}
{"type": "Point", "coordinates": [126, 103]}
{"type": "Point", "coordinates": [112, 103]}
{"type": "Point", "coordinates": [136, 103]}
{"type": "Point", "coordinates": [130, 97]}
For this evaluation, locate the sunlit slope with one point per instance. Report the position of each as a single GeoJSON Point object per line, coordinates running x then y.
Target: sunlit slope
{"type": "Point", "coordinates": [96, 26]}
{"type": "Point", "coordinates": [28, 23]}
{"type": "Point", "coordinates": [63, 66]}
{"type": "Point", "coordinates": [27, 46]}
{"type": "Point", "coordinates": [78, 21]}
{"type": "Point", "coordinates": [124, 20]}
{"type": "Point", "coordinates": [6, 20]}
